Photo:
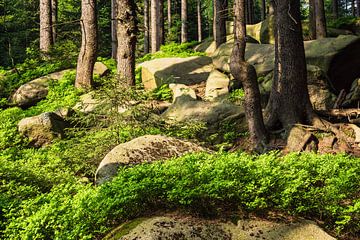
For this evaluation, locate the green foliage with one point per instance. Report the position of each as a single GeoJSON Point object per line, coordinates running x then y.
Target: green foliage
{"type": "Point", "coordinates": [173, 50]}
{"type": "Point", "coordinates": [163, 93]}
{"type": "Point", "coordinates": [237, 95]}
{"type": "Point", "coordinates": [342, 22]}
{"type": "Point", "coordinates": [323, 187]}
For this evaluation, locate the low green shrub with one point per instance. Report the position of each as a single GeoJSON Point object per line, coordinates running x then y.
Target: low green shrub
{"type": "Point", "coordinates": [323, 187]}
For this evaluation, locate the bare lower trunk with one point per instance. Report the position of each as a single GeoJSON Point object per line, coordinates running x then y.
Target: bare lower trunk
{"type": "Point", "coordinates": [146, 27]}
{"type": "Point", "coordinates": [320, 19]}
{"type": "Point", "coordinates": [219, 24]}
{"type": "Point", "coordinates": [243, 71]}
{"type": "Point", "coordinates": [54, 18]}
{"type": "Point", "coordinates": [161, 19]}
{"type": "Point", "coordinates": [46, 37]}
{"type": "Point", "coordinates": [263, 10]}
{"type": "Point", "coordinates": [184, 34]}
{"type": "Point", "coordinates": [335, 8]}
{"type": "Point", "coordinates": [126, 40]}
{"type": "Point", "coordinates": [87, 55]}
{"type": "Point", "coordinates": [289, 101]}
{"type": "Point", "coordinates": [155, 26]}
{"type": "Point", "coordinates": [353, 8]}
{"type": "Point", "coordinates": [358, 8]}
{"type": "Point", "coordinates": [113, 29]}
{"type": "Point", "coordinates": [312, 19]}
{"type": "Point", "coordinates": [169, 16]}
{"type": "Point", "coordinates": [199, 20]}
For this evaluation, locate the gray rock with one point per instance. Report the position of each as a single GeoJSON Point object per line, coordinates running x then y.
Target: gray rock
{"type": "Point", "coordinates": [181, 90]}
{"type": "Point", "coordinates": [144, 149]}
{"type": "Point", "coordinates": [101, 69]}
{"type": "Point", "coordinates": [188, 71]}
{"type": "Point", "coordinates": [42, 129]}
{"type": "Point", "coordinates": [353, 97]}
{"type": "Point", "coordinates": [34, 91]}
{"type": "Point", "coordinates": [217, 85]}
{"type": "Point", "coordinates": [170, 227]}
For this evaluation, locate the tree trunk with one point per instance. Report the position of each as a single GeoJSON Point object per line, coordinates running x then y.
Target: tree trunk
{"type": "Point", "coordinates": [54, 18]}
{"type": "Point", "coordinates": [219, 24]}
{"type": "Point", "coordinates": [320, 19]}
{"type": "Point", "coordinates": [87, 55]}
{"type": "Point", "coordinates": [126, 33]}
{"type": "Point", "coordinates": [335, 8]}
{"type": "Point", "coordinates": [46, 36]}
{"type": "Point", "coordinates": [146, 27]}
{"type": "Point", "coordinates": [161, 19]}
{"type": "Point", "coordinates": [289, 101]}
{"type": "Point", "coordinates": [263, 10]}
{"type": "Point", "coordinates": [312, 19]}
{"type": "Point", "coordinates": [169, 16]}
{"type": "Point", "coordinates": [113, 29]}
{"type": "Point", "coordinates": [184, 34]}
{"type": "Point", "coordinates": [353, 8]}
{"type": "Point", "coordinates": [155, 26]}
{"type": "Point", "coordinates": [199, 20]}
{"type": "Point", "coordinates": [358, 8]}
{"type": "Point", "coordinates": [244, 72]}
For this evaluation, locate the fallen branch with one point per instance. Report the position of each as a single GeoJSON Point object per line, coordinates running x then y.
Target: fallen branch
{"type": "Point", "coordinates": [351, 112]}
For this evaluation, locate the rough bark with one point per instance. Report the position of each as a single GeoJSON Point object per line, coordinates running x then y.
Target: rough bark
{"type": "Point", "coordinates": [155, 26]}
{"type": "Point", "coordinates": [113, 29]}
{"type": "Point", "coordinates": [289, 101]}
{"type": "Point", "coordinates": [320, 19]}
{"type": "Point", "coordinates": [87, 55]}
{"type": "Point", "coordinates": [169, 16]}
{"type": "Point", "coordinates": [161, 23]}
{"type": "Point", "coordinates": [126, 33]}
{"type": "Point", "coordinates": [146, 27]}
{"type": "Point", "coordinates": [219, 24]}
{"type": "Point", "coordinates": [244, 72]}
{"type": "Point", "coordinates": [184, 28]}
{"type": "Point", "coordinates": [312, 19]}
{"type": "Point", "coordinates": [358, 8]}
{"type": "Point", "coordinates": [335, 8]}
{"type": "Point", "coordinates": [199, 21]}
{"type": "Point", "coordinates": [54, 18]}
{"type": "Point", "coordinates": [263, 10]}
{"type": "Point", "coordinates": [46, 37]}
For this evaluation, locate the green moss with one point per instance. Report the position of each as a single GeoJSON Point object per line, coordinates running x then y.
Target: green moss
{"type": "Point", "coordinates": [124, 229]}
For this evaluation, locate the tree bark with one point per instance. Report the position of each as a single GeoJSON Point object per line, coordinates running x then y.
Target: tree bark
{"type": "Point", "coordinates": [126, 33]}
{"type": "Point", "coordinates": [335, 8]}
{"type": "Point", "coordinates": [54, 18]}
{"type": "Point", "coordinates": [263, 10]}
{"type": "Point", "coordinates": [46, 36]}
{"type": "Point", "coordinates": [155, 26]}
{"type": "Point", "coordinates": [146, 27]}
{"type": "Point", "coordinates": [169, 16]}
{"type": "Point", "coordinates": [199, 21]}
{"type": "Point", "coordinates": [219, 24]}
{"type": "Point", "coordinates": [87, 55]}
{"type": "Point", "coordinates": [184, 29]}
{"type": "Point", "coordinates": [289, 101]}
{"type": "Point", "coordinates": [353, 8]}
{"type": "Point", "coordinates": [312, 19]}
{"type": "Point", "coordinates": [245, 72]}
{"type": "Point", "coordinates": [161, 19]}
{"type": "Point", "coordinates": [358, 8]}
{"type": "Point", "coordinates": [320, 19]}
{"type": "Point", "coordinates": [113, 29]}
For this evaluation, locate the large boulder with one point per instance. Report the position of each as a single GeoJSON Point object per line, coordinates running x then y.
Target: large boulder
{"type": "Point", "coordinates": [217, 85]}
{"type": "Point", "coordinates": [337, 57]}
{"type": "Point", "coordinates": [175, 226]}
{"type": "Point", "coordinates": [42, 129]}
{"type": "Point", "coordinates": [142, 150]}
{"type": "Point", "coordinates": [181, 90]}
{"type": "Point", "coordinates": [188, 71]}
{"type": "Point", "coordinates": [34, 91]}
{"type": "Point", "coordinates": [101, 69]}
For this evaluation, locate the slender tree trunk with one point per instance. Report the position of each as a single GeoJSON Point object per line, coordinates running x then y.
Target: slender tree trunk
{"type": "Point", "coordinates": [199, 20]}
{"type": "Point", "coordinates": [219, 24]}
{"type": "Point", "coordinates": [87, 55]}
{"type": "Point", "coordinates": [320, 19]}
{"type": "Point", "coordinates": [289, 101]}
{"type": "Point", "coordinates": [161, 19]}
{"type": "Point", "coordinates": [146, 27]}
{"type": "Point", "coordinates": [312, 19]}
{"type": "Point", "coordinates": [335, 8]}
{"type": "Point", "coordinates": [169, 16]}
{"type": "Point", "coordinates": [46, 36]}
{"type": "Point", "coordinates": [155, 26]}
{"type": "Point", "coordinates": [263, 10]}
{"type": "Point", "coordinates": [353, 8]}
{"type": "Point", "coordinates": [113, 29]}
{"type": "Point", "coordinates": [54, 18]}
{"type": "Point", "coordinates": [244, 72]}
{"type": "Point", "coordinates": [358, 8]}
{"type": "Point", "coordinates": [126, 33]}
{"type": "Point", "coordinates": [184, 29]}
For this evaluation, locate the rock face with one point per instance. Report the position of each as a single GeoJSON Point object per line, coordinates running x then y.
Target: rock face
{"type": "Point", "coordinates": [186, 228]}
{"type": "Point", "coordinates": [217, 85]}
{"type": "Point", "coordinates": [188, 71]}
{"type": "Point", "coordinates": [337, 57]}
{"type": "Point", "coordinates": [32, 92]}
{"type": "Point", "coordinates": [353, 98]}
{"type": "Point", "coordinates": [43, 129]}
{"type": "Point", "coordinates": [101, 69]}
{"type": "Point", "coordinates": [181, 90]}
{"type": "Point", "coordinates": [142, 150]}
